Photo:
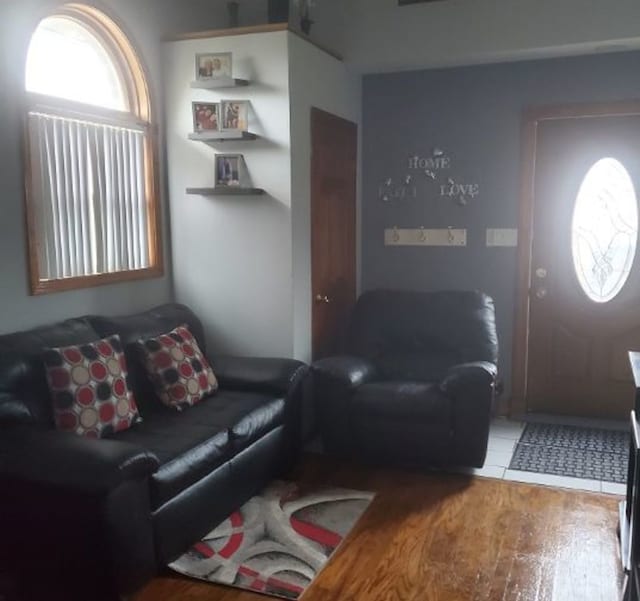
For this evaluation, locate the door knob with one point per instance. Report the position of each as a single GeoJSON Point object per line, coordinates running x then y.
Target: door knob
{"type": "Point", "coordinates": [322, 299]}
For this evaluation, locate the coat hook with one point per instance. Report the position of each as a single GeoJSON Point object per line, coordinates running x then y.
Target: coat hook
{"type": "Point", "coordinates": [450, 235]}
{"type": "Point", "coordinates": [423, 234]}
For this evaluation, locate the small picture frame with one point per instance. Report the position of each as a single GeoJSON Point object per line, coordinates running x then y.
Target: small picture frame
{"type": "Point", "coordinates": [206, 116]}
{"type": "Point", "coordinates": [234, 115]}
{"type": "Point", "coordinates": [213, 65]}
{"type": "Point", "coordinates": [230, 170]}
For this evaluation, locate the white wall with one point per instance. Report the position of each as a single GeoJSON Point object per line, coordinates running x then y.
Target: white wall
{"type": "Point", "coordinates": [316, 80]}
{"type": "Point", "coordinates": [232, 255]}
{"type": "Point", "coordinates": [378, 35]}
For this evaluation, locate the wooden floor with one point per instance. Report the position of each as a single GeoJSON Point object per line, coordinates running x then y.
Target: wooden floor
{"type": "Point", "coordinates": [452, 538]}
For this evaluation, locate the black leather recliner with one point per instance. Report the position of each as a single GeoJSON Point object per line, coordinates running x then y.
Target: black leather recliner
{"type": "Point", "coordinates": [417, 382]}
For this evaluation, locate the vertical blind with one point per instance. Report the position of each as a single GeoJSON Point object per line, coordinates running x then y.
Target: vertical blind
{"type": "Point", "coordinates": [89, 196]}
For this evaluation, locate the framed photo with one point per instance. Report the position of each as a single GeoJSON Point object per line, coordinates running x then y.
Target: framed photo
{"type": "Point", "coordinates": [229, 169]}
{"type": "Point", "coordinates": [234, 115]}
{"type": "Point", "coordinates": [213, 66]}
{"type": "Point", "coordinates": [206, 116]}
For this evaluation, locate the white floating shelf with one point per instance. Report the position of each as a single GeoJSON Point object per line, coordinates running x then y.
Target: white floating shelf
{"type": "Point", "coordinates": [216, 84]}
{"type": "Point", "coordinates": [222, 136]}
{"type": "Point", "coordinates": [425, 237]}
{"type": "Point", "coordinates": [226, 191]}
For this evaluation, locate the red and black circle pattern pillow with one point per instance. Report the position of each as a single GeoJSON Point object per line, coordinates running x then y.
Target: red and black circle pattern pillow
{"type": "Point", "coordinates": [89, 388]}
{"type": "Point", "coordinates": [179, 371]}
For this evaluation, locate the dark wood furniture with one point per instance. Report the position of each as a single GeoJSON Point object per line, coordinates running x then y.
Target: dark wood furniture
{"type": "Point", "coordinates": [630, 507]}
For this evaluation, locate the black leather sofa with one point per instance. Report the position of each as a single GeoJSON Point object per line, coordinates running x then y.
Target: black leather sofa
{"type": "Point", "coordinates": [95, 519]}
{"type": "Point", "coordinates": [416, 384]}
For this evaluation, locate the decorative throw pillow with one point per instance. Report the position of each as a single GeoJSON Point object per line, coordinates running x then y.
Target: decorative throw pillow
{"type": "Point", "coordinates": [88, 385]}
{"type": "Point", "coordinates": [180, 373]}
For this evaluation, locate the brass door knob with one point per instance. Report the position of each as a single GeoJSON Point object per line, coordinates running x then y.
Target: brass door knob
{"type": "Point", "coordinates": [322, 299]}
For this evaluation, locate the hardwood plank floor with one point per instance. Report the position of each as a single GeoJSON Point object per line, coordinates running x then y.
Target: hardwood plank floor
{"type": "Point", "coordinates": [449, 537]}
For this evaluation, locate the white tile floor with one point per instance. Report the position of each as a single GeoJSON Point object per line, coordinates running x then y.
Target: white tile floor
{"type": "Point", "coordinates": [504, 435]}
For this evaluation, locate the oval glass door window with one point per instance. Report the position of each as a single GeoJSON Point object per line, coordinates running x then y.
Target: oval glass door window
{"type": "Point", "coordinates": [604, 230]}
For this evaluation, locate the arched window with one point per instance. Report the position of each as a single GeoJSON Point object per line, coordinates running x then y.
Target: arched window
{"type": "Point", "coordinates": [92, 202]}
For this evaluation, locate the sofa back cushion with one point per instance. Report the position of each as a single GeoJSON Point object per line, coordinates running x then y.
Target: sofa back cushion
{"type": "Point", "coordinates": [419, 335]}
{"type": "Point", "coordinates": [24, 392]}
{"type": "Point", "coordinates": [144, 325]}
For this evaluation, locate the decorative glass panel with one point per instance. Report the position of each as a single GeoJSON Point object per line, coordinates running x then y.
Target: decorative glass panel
{"type": "Point", "coordinates": [66, 60]}
{"type": "Point", "coordinates": [604, 231]}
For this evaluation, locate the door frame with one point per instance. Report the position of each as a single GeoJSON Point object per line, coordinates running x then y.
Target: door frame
{"type": "Point", "coordinates": [532, 117]}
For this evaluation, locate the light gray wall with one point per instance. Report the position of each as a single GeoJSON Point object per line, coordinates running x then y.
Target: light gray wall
{"type": "Point", "coordinates": [145, 21]}
{"type": "Point", "coordinates": [316, 80]}
{"type": "Point", "coordinates": [474, 114]}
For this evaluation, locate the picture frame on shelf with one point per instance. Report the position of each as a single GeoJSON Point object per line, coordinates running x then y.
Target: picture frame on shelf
{"type": "Point", "coordinates": [206, 116]}
{"type": "Point", "coordinates": [214, 65]}
{"type": "Point", "coordinates": [231, 171]}
{"type": "Point", "coordinates": [234, 115]}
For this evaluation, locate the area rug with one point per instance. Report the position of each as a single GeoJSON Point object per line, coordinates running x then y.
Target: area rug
{"type": "Point", "coordinates": [278, 541]}
{"type": "Point", "coordinates": [590, 453]}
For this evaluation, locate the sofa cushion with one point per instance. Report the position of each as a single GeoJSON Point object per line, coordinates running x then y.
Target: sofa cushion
{"type": "Point", "coordinates": [88, 385]}
{"type": "Point", "coordinates": [147, 324]}
{"type": "Point", "coordinates": [180, 373]}
{"type": "Point", "coordinates": [405, 401]}
{"type": "Point", "coordinates": [192, 443]}
{"type": "Point", "coordinates": [23, 382]}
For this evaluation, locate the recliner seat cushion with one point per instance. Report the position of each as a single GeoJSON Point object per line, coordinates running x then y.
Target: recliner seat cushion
{"type": "Point", "coordinates": [423, 366]}
{"type": "Point", "coordinates": [194, 442]}
{"type": "Point", "coordinates": [401, 401]}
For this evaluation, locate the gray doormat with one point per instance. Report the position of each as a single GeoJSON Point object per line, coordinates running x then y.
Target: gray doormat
{"type": "Point", "coordinates": [590, 453]}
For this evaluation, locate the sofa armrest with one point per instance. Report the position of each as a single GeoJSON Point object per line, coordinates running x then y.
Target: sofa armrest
{"type": "Point", "coordinates": [258, 373]}
{"type": "Point", "coordinates": [72, 462]}
{"type": "Point", "coordinates": [471, 386]}
{"type": "Point", "coordinates": [13, 410]}
{"type": "Point", "coordinates": [347, 371]}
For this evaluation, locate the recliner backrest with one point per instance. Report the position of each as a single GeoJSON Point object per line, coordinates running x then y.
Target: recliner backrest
{"type": "Point", "coordinates": [419, 335]}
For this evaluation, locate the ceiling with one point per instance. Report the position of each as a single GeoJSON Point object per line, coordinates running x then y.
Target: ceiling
{"type": "Point", "coordinates": [380, 36]}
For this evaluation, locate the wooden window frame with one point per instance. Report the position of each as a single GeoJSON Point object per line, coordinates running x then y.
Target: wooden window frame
{"type": "Point", "coordinates": [128, 64]}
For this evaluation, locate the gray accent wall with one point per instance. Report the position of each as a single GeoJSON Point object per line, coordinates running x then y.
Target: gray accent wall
{"type": "Point", "coordinates": [146, 21]}
{"type": "Point", "coordinates": [474, 115]}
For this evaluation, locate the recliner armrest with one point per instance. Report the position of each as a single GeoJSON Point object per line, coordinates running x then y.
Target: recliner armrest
{"type": "Point", "coordinates": [73, 462]}
{"type": "Point", "coordinates": [347, 370]}
{"type": "Point", "coordinates": [258, 373]}
{"type": "Point", "coordinates": [335, 381]}
{"type": "Point", "coordinates": [468, 376]}
{"type": "Point", "coordinates": [471, 388]}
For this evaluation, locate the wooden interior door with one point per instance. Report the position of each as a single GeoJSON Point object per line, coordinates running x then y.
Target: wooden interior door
{"type": "Point", "coordinates": [334, 147]}
{"type": "Point", "coordinates": [584, 288]}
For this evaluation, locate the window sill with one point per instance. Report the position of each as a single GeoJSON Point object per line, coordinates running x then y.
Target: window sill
{"type": "Point", "coordinates": [39, 287]}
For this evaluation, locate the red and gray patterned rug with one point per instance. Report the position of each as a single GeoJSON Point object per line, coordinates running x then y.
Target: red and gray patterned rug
{"type": "Point", "coordinates": [278, 541]}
